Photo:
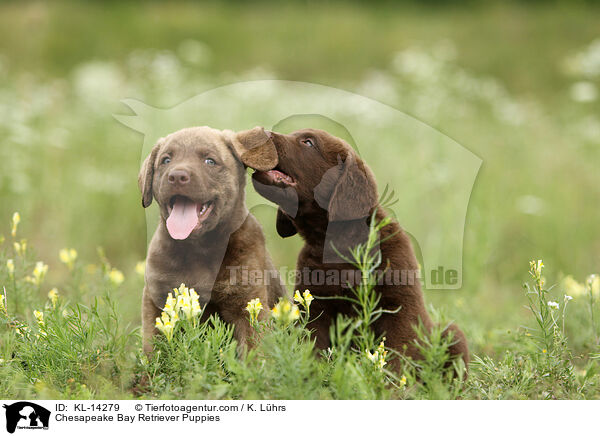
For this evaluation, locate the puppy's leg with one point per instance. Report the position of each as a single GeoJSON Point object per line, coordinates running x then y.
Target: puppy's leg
{"type": "Point", "coordinates": [459, 347]}
{"type": "Point", "coordinates": [149, 314]}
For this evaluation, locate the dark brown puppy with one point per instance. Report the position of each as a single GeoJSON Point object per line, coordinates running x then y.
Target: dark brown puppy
{"type": "Point", "coordinates": [206, 234]}
{"type": "Point", "coordinates": [327, 194]}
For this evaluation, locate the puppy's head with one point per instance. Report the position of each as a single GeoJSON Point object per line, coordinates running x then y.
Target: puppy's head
{"type": "Point", "coordinates": [316, 170]}
{"type": "Point", "coordinates": [197, 176]}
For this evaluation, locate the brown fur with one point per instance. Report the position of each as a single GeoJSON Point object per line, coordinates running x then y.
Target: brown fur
{"type": "Point", "coordinates": [331, 200]}
{"type": "Point", "coordinates": [230, 237]}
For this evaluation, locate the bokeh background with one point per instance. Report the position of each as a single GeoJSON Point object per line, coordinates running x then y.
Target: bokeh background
{"type": "Point", "coordinates": [517, 84]}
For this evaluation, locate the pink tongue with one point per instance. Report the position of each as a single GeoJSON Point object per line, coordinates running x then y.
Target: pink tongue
{"type": "Point", "coordinates": [183, 219]}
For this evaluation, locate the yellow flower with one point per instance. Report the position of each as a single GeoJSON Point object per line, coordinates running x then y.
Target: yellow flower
{"type": "Point", "coordinates": [39, 316]}
{"type": "Point", "coordinates": [403, 381]}
{"type": "Point", "coordinates": [535, 269]}
{"type": "Point", "coordinates": [10, 266]}
{"type": "Point", "coordinates": [185, 305]}
{"type": "Point", "coordinates": [284, 312]}
{"type": "Point", "coordinates": [308, 298]}
{"type": "Point", "coordinates": [53, 296]}
{"type": "Point", "coordinates": [16, 219]}
{"type": "Point", "coordinates": [573, 287]}
{"type": "Point", "coordinates": [68, 257]}
{"type": "Point", "coordinates": [254, 307]}
{"type": "Point", "coordinates": [166, 324]}
{"type": "Point", "coordinates": [116, 277]}
{"type": "Point", "coordinates": [39, 273]}
{"type": "Point", "coordinates": [170, 304]}
{"type": "Point", "coordinates": [140, 268]}
{"type": "Point", "coordinates": [20, 247]}
{"type": "Point", "coordinates": [2, 304]}
{"type": "Point", "coordinates": [378, 357]}
{"type": "Point", "coordinates": [305, 299]}
{"type": "Point", "coordinates": [185, 300]}
{"type": "Point", "coordinates": [196, 309]}
{"type": "Point", "coordinates": [544, 351]}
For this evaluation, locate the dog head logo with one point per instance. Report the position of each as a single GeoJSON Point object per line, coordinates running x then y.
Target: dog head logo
{"type": "Point", "coordinates": [431, 175]}
{"type": "Point", "coordinates": [26, 415]}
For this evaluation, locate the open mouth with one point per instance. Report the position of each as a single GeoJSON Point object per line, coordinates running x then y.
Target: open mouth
{"type": "Point", "coordinates": [185, 216]}
{"type": "Point", "coordinates": [276, 177]}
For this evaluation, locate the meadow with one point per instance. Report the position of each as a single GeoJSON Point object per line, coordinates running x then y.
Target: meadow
{"type": "Point", "coordinates": [518, 86]}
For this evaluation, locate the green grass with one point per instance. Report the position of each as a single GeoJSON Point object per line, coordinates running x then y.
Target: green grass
{"type": "Point", "coordinates": [499, 87]}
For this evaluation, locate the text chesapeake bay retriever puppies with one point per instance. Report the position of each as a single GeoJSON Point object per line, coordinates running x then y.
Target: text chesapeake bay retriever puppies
{"type": "Point", "coordinates": [197, 176]}
{"type": "Point", "coordinates": [327, 194]}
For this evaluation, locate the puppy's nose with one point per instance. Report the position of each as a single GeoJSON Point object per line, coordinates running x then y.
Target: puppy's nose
{"type": "Point", "coordinates": [179, 177]}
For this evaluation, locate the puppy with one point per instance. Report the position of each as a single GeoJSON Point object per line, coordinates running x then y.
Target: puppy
{"type": "Point", "coordinates": [327, 194]}
{"type": "Point", "coordinates": [206, 236]}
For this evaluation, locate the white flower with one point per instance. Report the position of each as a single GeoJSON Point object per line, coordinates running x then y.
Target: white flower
{"type": "Point", "coordinates": [584, 92]}
{"type": "Point", "coordinates": [553, 305]}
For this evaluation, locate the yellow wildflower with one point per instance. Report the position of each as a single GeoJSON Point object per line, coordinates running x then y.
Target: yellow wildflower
{"type": "Point", "coordinates": [39, 316]}
{"type": "Point", "coordinates": [535, 270]}
{"type": "Point", "coordinates": [305, 299]}
{"type": "Point", "coordinates": [254, 307]}
{"type": "Point", "coordinates": [308, 298]}
{"type": "Point", "coordinates": [378, 357]}
{"type": "Point", "coordinates": [573, 287]}
{"type": "Point", "coordinates": [39, 273]}
{"type": "Point", "coordinates": [53, 296]}
{"type": "Point", "coordinates": [20, 247]}
{"type": "Point", "coordinates": [196, 309]}
{"type": "Point", "coordinates": [2, 304]}
{"type": "Point", "coordinates": [170, 304]}
{"type": "Point", "coordinates": [140, 268]}
{"type": "Point", "coordinates": [116, 277]}
{"type": "Point", "coordinates": [544, 351]}
{"type": "Point", "coordinates": [166, 324]}
{"type": "Point", "coordinates": [16, 219]}
{"type": "Point", "coordinates": [184, 304]}
{"type": "Point", "coordinates": [284, 312]}
{"type": "Point", "coordinates": [68, 257]}
{"type": "Point", "coordinates": [10, 266]}
{"type": "Point", "coordinates": [403, 381]}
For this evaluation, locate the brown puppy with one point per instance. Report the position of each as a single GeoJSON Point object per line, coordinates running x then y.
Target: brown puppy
{"type": "Point", "coordinates": [327, 194]}
{"type": "Point", "coordinates": [206, 234]}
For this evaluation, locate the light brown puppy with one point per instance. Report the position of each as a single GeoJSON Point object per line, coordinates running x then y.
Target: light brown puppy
{"type": "Point", "coordinates": [327, 194]}
{"type": "Point", "coordinates": [206, 237]}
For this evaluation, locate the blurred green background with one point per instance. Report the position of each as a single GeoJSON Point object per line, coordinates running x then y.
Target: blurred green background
{"type": "Point", "coordinates": [517, 84]}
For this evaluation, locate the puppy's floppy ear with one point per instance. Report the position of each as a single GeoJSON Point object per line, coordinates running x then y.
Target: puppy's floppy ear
{"type": "Point", "coordinates": [355, 192]}
{"type": "Point", "coordinates": [255, 149]}
{"type": "Point", "coordinates": [284, 225]}
{"type": "Point", "coordinates": [147, 174]}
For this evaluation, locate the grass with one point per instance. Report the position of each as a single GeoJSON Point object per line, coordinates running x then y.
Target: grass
{"type": "Point", "coordinates": [499, 79]}
{"type": "Point", "coordinates": [73, 348]}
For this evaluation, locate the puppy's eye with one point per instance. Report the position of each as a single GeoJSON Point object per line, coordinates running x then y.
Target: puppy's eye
{"type": "Point", "coordinates": [309, 142]}
{"type": "Point", "coordinates": [210, 162]}
{"type": "Point", "coordinates": [165, 160]}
